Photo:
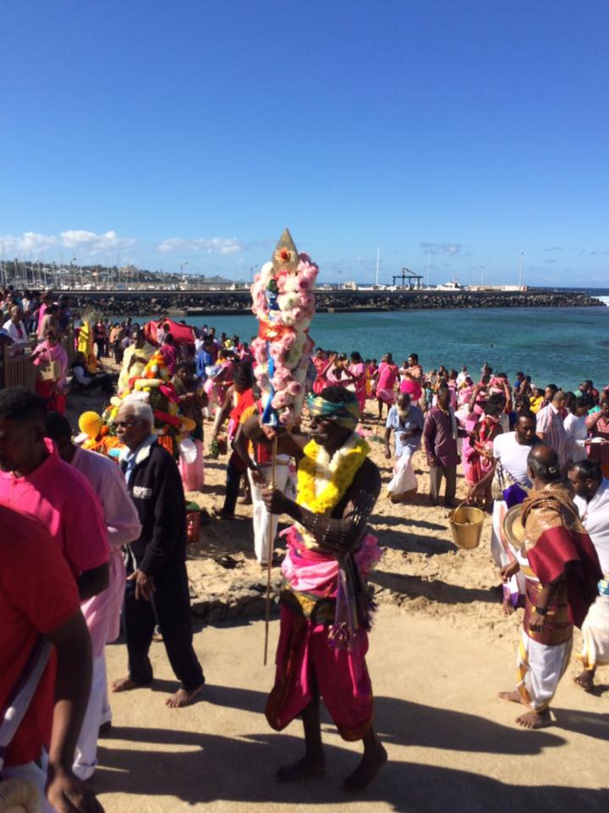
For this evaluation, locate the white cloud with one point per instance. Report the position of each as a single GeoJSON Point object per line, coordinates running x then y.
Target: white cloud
{"type": "Point", "coordinates": [85, 242]}
{"type": "Point", "coordinates": [452, 249]}
{"type": "Point", "coordinates": [91, 243]}
{"type": "Point", "coordinates": [28, 243]}
{"type": "Point", "coordinates": [213, 245]}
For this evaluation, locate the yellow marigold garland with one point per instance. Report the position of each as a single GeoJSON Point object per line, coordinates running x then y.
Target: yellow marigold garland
{"type": "Point", "coordinates": [342, 467]}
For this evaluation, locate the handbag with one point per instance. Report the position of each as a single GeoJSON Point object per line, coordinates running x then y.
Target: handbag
{"type": "Point", "coordinates": [49, 370]}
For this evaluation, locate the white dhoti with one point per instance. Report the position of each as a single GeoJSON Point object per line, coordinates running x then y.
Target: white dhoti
{"type": "Point", "coordinates": [265, 524]}
{"type": "Point", "coordinates": [102, 614]}
{"type": "Point", "coordinates": [504, 554]}
{"type": "Point", "coordinates": [540, 668]}
{"type": "Point", "coordinates": [404, 479]}
{"type": "Point", "coordinates": [595, 633]}
{"type": "Point", "coordinates": [85, 760]}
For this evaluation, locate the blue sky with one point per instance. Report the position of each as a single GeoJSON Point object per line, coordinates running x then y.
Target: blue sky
{"type": "Point", "coordinates": [451, 134]}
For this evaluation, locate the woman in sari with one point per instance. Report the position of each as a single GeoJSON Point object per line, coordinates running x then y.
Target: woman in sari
{"type": "Point", "coordinates": [320, 360]}
{"type": "Point", "coordinates": [52, 387]}
{"type": "Point", "coordinates": [357, 370]}
{"type": "Point", "coordinates": [598, 426]}
{"type": "Point", "coordinates": [479, 452]}
{"type": "Point", "coordinates": [371, 368]}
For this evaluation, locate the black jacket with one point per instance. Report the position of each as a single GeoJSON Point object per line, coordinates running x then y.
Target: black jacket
{"type": "Point", "coordinates": [156, 488]}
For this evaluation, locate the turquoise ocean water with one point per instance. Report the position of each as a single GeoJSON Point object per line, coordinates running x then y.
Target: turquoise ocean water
{"type": "Point", "coordinates": [553, 345]}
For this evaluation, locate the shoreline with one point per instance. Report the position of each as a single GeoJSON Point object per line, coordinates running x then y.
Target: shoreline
{"type": "Point", "coordinates": [229, 303]}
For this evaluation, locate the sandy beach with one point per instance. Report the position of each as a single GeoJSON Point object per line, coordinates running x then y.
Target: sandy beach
{"type": "Point", "coordinates": [440, 651]}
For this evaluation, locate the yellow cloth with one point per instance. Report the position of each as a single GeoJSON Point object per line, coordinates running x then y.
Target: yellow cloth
{"type": "Point", "coordinates": [136, 369]}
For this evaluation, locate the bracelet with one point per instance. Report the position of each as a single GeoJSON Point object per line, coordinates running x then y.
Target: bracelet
{"type": "Point", "coordinates": [541, 610]}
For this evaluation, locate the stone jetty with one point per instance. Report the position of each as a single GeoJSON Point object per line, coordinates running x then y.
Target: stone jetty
{"type": "Point", "coordinates": [187, 303]}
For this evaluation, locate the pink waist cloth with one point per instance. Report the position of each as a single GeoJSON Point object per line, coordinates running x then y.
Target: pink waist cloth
{"type": "Point", "coordinates": [412, 388]}
{"type": "Point", "coordinates": [316, 572]}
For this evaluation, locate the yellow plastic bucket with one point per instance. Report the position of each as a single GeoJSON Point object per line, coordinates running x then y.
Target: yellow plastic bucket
{"type": "Point", "coordinates": [466, 523]}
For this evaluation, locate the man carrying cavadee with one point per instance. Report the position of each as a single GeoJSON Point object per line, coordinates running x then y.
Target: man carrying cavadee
{"type": "Point", "coordinates": [325, 606]}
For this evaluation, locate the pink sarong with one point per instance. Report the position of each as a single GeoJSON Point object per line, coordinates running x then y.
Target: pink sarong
{"type": "Point", "coordinates": [307, 662]}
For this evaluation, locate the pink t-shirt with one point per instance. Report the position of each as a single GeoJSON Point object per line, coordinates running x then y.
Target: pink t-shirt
{"type": "Point", "coordinates": [60, 497]}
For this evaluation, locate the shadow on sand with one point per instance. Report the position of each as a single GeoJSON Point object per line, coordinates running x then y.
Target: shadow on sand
{"type": "Point", "coordinates": [434, 590]}
{"type": "Point", "coordinates": [241, 768]}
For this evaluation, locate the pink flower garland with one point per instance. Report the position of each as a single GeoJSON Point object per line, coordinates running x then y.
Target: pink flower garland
{"type": "Point", "coordinates": [284, 304]}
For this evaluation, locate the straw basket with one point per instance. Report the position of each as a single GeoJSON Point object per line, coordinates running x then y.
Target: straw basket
{"type": "Point", "coordinates": [466, 526]}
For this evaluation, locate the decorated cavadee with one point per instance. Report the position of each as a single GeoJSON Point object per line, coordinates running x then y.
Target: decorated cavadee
{"type": "Point", "coordinates": [284, 303]}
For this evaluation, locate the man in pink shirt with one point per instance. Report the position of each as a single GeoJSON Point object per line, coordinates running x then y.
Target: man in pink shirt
{"type": "Point", "coordinates": [35, 480]}
{"type": "Point", "coordinates": [102, 612]}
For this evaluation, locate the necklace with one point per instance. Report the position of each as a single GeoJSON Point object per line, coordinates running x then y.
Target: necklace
{"type": "Point", "coordinates": [323, 480]}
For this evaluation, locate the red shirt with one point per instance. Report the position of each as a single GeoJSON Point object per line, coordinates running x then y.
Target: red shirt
{"type": "Point", "coordinates": [245, 400]}
{"type": "Point", "coordinates": [37, 595]}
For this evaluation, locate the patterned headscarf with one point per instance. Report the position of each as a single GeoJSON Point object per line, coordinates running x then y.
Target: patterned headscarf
{"type": "Point", "coordinates": [346, 414]}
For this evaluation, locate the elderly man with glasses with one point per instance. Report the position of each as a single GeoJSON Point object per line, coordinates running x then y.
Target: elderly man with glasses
{"type": "Point", "coordinates": [157, 585]}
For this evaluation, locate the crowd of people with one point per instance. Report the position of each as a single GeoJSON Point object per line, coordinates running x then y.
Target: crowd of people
{"type": "Point", "coordinates": [517, 444]}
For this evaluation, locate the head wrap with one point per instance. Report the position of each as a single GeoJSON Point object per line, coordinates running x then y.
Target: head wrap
{"type": "Point", "coordinates": [345, 414]}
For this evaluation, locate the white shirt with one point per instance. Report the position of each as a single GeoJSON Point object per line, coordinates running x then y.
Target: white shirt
{"type": "Point", "coordinates": [513, 457]}
{"type": "Point", "coordinates": [577, 434]}
{"type": "Point", "coordinates": [595, 519]}
{"type": "Point", "coordinates": [13, 331]}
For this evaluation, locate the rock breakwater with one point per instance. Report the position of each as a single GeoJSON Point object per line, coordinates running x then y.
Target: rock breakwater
{"type": "Point", "coordinates": [185, 304]}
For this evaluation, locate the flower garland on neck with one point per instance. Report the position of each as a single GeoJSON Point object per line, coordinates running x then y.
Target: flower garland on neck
{"type": "Point", "coordinates": [323, 480]}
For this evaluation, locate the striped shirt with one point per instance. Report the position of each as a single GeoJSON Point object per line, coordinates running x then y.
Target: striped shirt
{"type": "Point", "coordinates": [550, 424]}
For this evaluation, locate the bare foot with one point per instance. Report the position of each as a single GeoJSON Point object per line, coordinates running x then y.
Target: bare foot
{"type": "Point", "coordinates": [585, 680]}
{"type": "Point", "coordinates": [183, 697]}
{"type": "Point", "coordinates": [126, 685]}
{"type": "Point", "coordinates": [220, 514]}
{"type": "Point", "coordinates": [535, 719]}
{"type": "Point", "coordinates": [507, 607]}
{"type": "Point", "coordinates": [366, 771]}
{"type": "Point", "coordinates": [512, 697]}
{"type": "Point", "coordinates": [303, 769]}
